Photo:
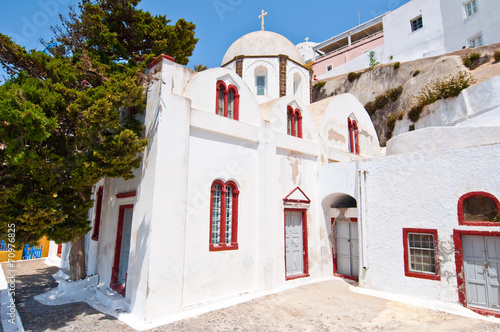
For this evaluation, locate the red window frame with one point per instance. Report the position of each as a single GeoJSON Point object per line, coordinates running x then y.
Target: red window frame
{"type": "Point", "coordinates": [221, 85]}
{"type": "Point", "coordinates": [408, 272]}
{"type": "Point", "coordinates": [294, 122]}
{"type": "Point", "coordinates": [222, 245]}
{"type": "Point", "coordinates": [97, 219]}
{"type": "Point", "coordinates": [114, 284]}
{"type": "Point", "coordinates": [461, 214]}
{"type": "Point", "coordinates": [353, 136]}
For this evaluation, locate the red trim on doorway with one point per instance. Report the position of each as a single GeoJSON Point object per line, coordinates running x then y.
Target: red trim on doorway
{"type": "Point", "coordinates": [127, 194]}
{"type": "Point", "coordinates": [408, 273]}
{"type": "Point", "coordinates": [305, 255]}
{"type": "Point", "coordinates": [59, 250]}
{"type": "Point", "coordinates": [307, 200]}
{"type": "Point", "coordinates": [119, 288]}
{"type": "Point", "coordinates": [97, 219]}
{"type": "Point", "coordinates": [334, 258]}
{"type": "Point", "coordinates": [460, 209]}
{"type": "Point", "coordinates": [459, 263]}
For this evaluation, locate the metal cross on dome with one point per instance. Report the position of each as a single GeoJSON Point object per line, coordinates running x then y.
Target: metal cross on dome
{"type": "Point", "coordinates": [262, 17]}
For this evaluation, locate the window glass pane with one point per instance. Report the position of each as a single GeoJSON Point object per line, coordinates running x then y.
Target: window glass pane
{"type": "Point", "coordinates": [230, 104]}
{"type": "Point", "coordinates": [289, 129]}
{"type": "Point", "coordinates": [416, 24]}
{"type": "Point", "coordinates": [479, 208]}
{"type": "Point", "coordinates": [422, 253]}
{"type": "Point", "coordinates": [296, 126]}
{"type": "Point", "coordinates": [261, 85]}
{"type": "Point", "coordinates": [229, 214]}
{"type": "Point", "coordinates": [220, 109]}
{"type": "Point", "coordinates": [216, 214]}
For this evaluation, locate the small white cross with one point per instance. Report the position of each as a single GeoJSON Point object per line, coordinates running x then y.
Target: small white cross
{"type": "Point", "coordinates": [307, 39]}
{"type": "Point", "coordinates": [262, 17]}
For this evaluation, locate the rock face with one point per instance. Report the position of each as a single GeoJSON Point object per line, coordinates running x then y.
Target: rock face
{"type": "Point", "coordinates": [412, 76]}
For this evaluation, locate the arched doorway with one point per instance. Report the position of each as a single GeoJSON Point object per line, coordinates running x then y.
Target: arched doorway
{"type": "Point", "coordinates": [343, 213]}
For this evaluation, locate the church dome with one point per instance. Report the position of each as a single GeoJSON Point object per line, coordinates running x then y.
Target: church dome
{"type": "Point", "coordinates": [262, 43]}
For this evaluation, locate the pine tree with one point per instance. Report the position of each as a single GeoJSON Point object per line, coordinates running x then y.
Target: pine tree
{"type": "Point", "coordinates": [62, 123]}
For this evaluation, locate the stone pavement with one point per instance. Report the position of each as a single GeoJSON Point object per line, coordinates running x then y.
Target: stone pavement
{"type": "Point", "coordinates": [324, 306]}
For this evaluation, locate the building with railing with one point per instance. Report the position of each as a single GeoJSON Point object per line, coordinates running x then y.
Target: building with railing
{"type": "Point", "coordinates": [418, 29]}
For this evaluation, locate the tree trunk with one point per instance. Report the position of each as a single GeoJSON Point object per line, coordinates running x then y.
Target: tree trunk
{"type": "Point", "coordinates": [77, 259]}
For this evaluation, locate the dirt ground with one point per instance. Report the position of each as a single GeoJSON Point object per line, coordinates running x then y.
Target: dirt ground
{"type": "Point", "coordinates": [324, 306]}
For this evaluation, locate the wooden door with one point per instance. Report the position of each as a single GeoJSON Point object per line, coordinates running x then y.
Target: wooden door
{"type": "Point", "coordinates": [481, 269]}
{"type": "Point", "coordinates": [347, 248]}
{"type": "Point", "coordinates": [294, 243]}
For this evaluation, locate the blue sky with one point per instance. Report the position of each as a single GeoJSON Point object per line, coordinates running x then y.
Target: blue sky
{"type": "Point", "coordinates": [218, 22]}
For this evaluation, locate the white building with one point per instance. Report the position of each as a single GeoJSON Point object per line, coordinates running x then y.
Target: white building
{"type": "Point", "coordinates": [247, 188]}
{"type": "Point", "coordinates": [423, 28]}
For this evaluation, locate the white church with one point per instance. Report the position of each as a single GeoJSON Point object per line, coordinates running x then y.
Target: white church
{"type": "Point", "coordinates": [247, 187]}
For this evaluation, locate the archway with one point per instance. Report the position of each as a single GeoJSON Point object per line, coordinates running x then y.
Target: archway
{"type": "Point", "coordinates": [341, 209]}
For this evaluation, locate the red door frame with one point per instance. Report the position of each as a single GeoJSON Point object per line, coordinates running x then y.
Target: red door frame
{"type": "Point", "coordinates": [305, 256]}
{"type": "Point", "coordinates": [119, 288]}
{"type": "Point", "coordinates": [334, 257]}
{"type": "Point", "coordinates": [459, 263]}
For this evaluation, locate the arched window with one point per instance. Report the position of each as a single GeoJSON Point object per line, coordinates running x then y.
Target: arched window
{"type": "Point", "coordinates": [296, 83]}
{"type": "Point", "coordinates": [478, 209]}
{"type": "Point", "coordinates": [261, 81]}
{"type": "Point", "coordinates": [227, 101]}
{"type": "Point", "coordinates": [353, 136]}
{"type": "Point", "coordinates": [294, 122]}
{"type": "Point", "coordinates": [224, 216]}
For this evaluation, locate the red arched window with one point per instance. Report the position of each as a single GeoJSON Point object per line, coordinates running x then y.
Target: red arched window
{"type": "Point", "coordinates": [353, 136]}
{"type": "Point", "coordinates": [227, 101]}
{"type": "Point", "coordinates": [478, 208]}
{"type": "Point", "coordinates": [224, 216]}
{"type": "Point", "coordinates": [294, 122]}
{"type": "Point", "coordinates": [97, 219]}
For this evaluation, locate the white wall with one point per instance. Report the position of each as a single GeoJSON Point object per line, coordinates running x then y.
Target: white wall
{"type": "Point", "coordinates": [458, 28]}
{"type": "Point", "coordinates": [478, 105]}
{"type": "Point", "coordinates": [403, 44]}
{"type": "Point", "coordinates": [420, 190]}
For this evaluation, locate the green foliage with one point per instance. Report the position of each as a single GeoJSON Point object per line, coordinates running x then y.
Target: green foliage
{"type": "Point", "coordinates": [495, 218]}
{"type": "Point", "coordinates": [352, 76]}
{"type": "Point", "coordinates": [471, 59]}
{"type": "Point", "coordinates": [397, 65]}
{"type": "Point", "coordinates": [62, 115]}
{"type": "Point", "coordinates": [450, 86]}
{"type": "Point", "coordinates": [319, 85]}
{"type": "Point", "coordinates": [382, 100]}
{"type": "Point", "coordinates": [416, 72]}
{"type": "Point", "coordinates": [391, 123]}
{"type": "Point", "coordinates": [373, 59]}
{"type": "Point", "coordinates": [199, 67]}
{"type": "Point", "coordinates": [496, 56]}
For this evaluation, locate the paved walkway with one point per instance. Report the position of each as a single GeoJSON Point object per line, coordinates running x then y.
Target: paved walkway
{"type": "Point", "coordinates": [324, 306]}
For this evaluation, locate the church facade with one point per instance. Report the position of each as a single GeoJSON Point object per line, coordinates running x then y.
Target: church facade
{"type": "Point", "coordinates": [247, 188]}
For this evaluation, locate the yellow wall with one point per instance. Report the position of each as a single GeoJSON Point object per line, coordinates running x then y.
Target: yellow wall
{"type": "Point", "coordinates": [4, 255]}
